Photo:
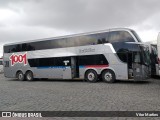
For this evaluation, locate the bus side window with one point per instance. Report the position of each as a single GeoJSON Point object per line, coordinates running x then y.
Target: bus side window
{"type": "Point", "coordinates": [120, 36]}
{"type": "Point", "coordinates": [104, 40]}
{"type": "Point", "coordinates": [100, 41]}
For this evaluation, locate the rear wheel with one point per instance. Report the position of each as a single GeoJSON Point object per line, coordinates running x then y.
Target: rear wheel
{"type": "Point", "coordinates": [29, 76]}
{"type": "Point", "coordinates": [108, 76]}
{"type": "Point", "coordinates": [91, 76]}
{"type": "Point", "coordinates": [20, 76]}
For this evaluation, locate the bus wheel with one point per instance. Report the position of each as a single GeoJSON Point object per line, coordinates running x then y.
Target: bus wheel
{"type": "Point", "coordinates": [108, 76]}
{"type": "Point", "coordinates": [91, 76]}
{"type": "Point", "coordinates": [20, 76]}
{"type": "Point", "coordinates": [29, 76]}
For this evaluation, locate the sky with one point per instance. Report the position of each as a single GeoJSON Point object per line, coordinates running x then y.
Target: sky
{"type": "Point", "coordinates": [22, 20]}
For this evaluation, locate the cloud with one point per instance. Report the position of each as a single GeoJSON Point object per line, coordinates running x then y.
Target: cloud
{"type": "Point", "coordinates": [25, 33]}
{"type": "Point", "coordinates": [32, 19]}
{"type": "Point", "coordinates": [80, 15]}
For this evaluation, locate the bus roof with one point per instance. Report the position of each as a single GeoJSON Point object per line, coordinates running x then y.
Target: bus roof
{"type": "Point", "coordinates": [68, 36]}
{"type": "Point", "coordinates": [138, 43]}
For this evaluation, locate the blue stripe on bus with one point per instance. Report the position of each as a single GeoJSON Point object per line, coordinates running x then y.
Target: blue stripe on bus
{"type": "Point", "coordinates": [81, 66]}
{"type": "Point", "coordinates": [52, 67]}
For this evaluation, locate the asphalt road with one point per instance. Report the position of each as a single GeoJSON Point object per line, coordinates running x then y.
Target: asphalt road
{"type": "Point", "coordinates": [75, 95]}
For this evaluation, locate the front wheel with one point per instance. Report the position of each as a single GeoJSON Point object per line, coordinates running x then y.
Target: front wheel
{"type": "Point", "coordinates": [29, 76]}
{"type": "Point", "coordinates": [91, 76]}
{"type": "Point", "coordinates": [108, 76]}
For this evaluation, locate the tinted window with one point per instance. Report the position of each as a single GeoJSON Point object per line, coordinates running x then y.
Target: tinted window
{"type": "Point", "coordinates": [124, 49]}
{"type": "Point", "coordinates": [33, 62]}
{"type": "Point", "coordinates": [27, 47]}
{"type": "Point", "coordinates": [102, 38]}
{"type": "Point", "coordinates": [59, 61]}
{"type": "Point", "coordinates": [136, 36]}
{"type": "Point", "coordinates": [93, 60]}
{"type": "Point", "coordinates": [120, 36]}
{"type": "Point", "coordinates": [44, 62]}
{"type": "Point", "coordinates": [92, 39]}
{"type": "Point", "coordinates": [120, 47]}
{"type": "Point", "coordinates": [81, 40]}
{"type": "Point", "coordinates": [18, 48]}
{"type": "Point", "coordinates": [9, 49]}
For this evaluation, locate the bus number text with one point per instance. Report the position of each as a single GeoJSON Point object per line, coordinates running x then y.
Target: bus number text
{"type": "Point", "coordinates": [21, 58]}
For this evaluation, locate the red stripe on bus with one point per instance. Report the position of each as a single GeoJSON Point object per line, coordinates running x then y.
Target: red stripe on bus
{"type": "Point", "coordinates": [96, 66]}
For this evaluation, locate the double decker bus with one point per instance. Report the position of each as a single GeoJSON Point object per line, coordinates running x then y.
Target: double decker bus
{"type": "Point", "coordinates": [109, 55]}
{"type": "Point", "coordinates": [158, 55]}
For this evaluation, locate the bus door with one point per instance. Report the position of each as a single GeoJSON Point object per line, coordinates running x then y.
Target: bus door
{"type": "Point", "coordinates": [130, 64]}
{"type": "Point", "coordinates": [67, 69]}
{"type": "Point", "coordinates": [74, 67]}
{"type": "Point", "coordinates": [137, 67]}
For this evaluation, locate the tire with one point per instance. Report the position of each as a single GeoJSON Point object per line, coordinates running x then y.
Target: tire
{"type": "Point", "coordinates": [108, 76]}
{"type": "Point", "coordinates": [91, 76]}
{"type": "Point", "coordinates": [29, 76]}
{"type": "Point", "coordinates": [20, 76]}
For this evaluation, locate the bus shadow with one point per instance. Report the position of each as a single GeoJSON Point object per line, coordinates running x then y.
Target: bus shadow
{"type": "Point", "coordinates": [132, 82]}
{"type": "Point", "coordinates": [155, 77]}
{"type": "Point", "coordinates": [71, 80]}
{"type": "Point", "coordinates": [57, 80]}
{"type": "Point", "coordinates": [49, 80]}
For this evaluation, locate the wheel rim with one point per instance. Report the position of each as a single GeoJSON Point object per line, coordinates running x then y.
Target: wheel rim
{"type": "Point", "coordinates": [108, 76]}
{"type": "Point", "coordinates": [29, 76]}
{"type": "Point", "coordinates": [91, 76]}
{"type": "Point", "coordinates": [20, 76]}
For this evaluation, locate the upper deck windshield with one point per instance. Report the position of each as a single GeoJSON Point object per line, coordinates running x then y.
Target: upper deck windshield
{"type": "Point", "coordinates": [136, 35]}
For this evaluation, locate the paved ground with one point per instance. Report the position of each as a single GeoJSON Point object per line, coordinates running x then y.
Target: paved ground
{"type": "Point", "coordinates": [1, 69]}
{"type": "Point", "coordinates": [54, 95]}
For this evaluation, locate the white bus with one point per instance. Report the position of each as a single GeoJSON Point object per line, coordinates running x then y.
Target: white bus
{"type": "Point", "coordinates": [155, 57]}
{"type": "Point", "coordinates": [1, 65]}
{"type": "Point", "coordinates": [154, 60]}
{"type": "Point", "coordinates": [158, 53]}
{"type": "Point", "coordinates": [114, 54]}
